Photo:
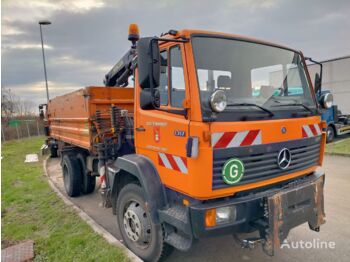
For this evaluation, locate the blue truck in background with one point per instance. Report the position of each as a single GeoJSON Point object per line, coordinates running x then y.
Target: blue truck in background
{"type": "Point", "coordinates": [337, 123]}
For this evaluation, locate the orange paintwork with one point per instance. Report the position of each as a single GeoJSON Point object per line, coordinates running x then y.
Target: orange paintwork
{"type": "Point", "coordinates": [70, 115]}
{"type": "Point", "coordinates": [70, 120]}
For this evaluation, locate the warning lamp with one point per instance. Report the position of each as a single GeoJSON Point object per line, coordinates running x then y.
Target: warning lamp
{"type": "Point", "coordinates": [134, 34]}
{"type": "Point", "coordinates": [219, 216]}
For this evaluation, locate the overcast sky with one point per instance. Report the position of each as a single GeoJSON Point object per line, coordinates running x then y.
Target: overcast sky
{"type": "Point", "coordinates": [87, 37]}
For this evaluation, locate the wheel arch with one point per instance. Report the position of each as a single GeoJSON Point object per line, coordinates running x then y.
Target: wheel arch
{"type": "Point", "coordinates": [139, 169]}
{"type": "Point", "coordinates": [72, 150]}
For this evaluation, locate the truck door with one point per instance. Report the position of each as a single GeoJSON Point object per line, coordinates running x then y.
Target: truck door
{"type": "Point", "coordinates": [161, 135]}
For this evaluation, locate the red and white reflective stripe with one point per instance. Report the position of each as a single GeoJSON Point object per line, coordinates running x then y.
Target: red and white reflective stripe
{"type": "Point", "coordinates": [311, 130]}
{"type": "Point", "coordinates": [236, 139]}
{"type": "Point", "coordinates": [102, 173]}
{"type": "Point", "coordinates": [177, 163]}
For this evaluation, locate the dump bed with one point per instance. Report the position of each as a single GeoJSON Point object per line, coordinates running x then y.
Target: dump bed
{"type": "Point", "coordinates": [70, 116]}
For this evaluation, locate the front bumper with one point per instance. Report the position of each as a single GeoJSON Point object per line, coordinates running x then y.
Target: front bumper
{"type": "Point", "coordinates": [274, 211]}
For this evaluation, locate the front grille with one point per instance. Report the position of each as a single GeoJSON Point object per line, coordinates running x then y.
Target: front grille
{"type": "Point", "coordinates": [260, 162]}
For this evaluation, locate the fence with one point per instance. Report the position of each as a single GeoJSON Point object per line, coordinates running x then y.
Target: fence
{"type": "Point", "coordinates": [22, 129]}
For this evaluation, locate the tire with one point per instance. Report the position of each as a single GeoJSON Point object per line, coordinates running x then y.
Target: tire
{"type": "Point", "coordinates": [130, 203]}
{"type": "Point", "coordinates": [88, 182]}
{"type": "Point", "coordinates": [71, 175]}
{"type": "Point", "coordinates": [330, 134]}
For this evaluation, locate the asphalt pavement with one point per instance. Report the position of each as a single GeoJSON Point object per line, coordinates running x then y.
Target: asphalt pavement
{"type": "Point", "coordinates": [330, 244]}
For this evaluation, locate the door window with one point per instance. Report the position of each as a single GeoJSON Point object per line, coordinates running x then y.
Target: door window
{"type": "Point", "coordinates": [177, 84]}
{"type": "Point", "coordinates": [163, 81]}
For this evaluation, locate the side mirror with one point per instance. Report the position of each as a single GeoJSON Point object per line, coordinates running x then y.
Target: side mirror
{"type": "Point", "coordinates": [318, 83]}
{"type": "Point", "coordinates": [149, 101]}
{"type": "Point", "coordinates": [148, 60]}
{"type": "Point", "coordinates": [326, 100]}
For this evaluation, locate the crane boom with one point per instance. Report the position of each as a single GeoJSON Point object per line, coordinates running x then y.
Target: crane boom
{"type": "Point", "coordinates": [121, 71]}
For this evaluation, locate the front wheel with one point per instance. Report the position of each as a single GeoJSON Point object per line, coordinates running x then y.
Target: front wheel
{"type": "Point", "coordinates": [139, 233]}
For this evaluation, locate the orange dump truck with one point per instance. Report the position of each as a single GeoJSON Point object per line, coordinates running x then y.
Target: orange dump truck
{"type": "Point", "coordinates": [211, 139]}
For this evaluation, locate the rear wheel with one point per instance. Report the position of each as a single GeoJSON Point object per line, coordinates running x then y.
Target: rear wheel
{"type": "Point", "coordinates": [330, 134]}
{"type": "Point", "coordinates": [71, 175]}
{"type": "Point", "coordinates": [139, 233]}
{"type": "Point", "coordinates": [88, 181]}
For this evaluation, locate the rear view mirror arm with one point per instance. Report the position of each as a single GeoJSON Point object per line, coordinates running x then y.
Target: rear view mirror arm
{"type": "Point", "coordinates": [317, 63]}
{"type": "Point", "coordinates": [182, 40]}
{"type": "Point", "coordinates": [151, 84]}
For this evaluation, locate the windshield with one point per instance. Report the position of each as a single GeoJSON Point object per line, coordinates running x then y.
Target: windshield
{"type": "Point", "coordinates": [251, 74]}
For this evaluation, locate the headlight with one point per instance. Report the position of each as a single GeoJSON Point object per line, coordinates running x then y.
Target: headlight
{"type": "Point", "coordinates": [218, 101]}
{"type": "Point", "coordinates": [225, 214]}
{"type": "Point", "coordinates": [327, 100]}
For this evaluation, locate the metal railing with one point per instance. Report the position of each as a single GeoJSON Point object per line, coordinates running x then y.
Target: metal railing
{"type": "Point", "coordinates": [18, 129]}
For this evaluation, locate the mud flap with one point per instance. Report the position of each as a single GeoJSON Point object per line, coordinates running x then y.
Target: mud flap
{"type": "Point", "coordinates": [290, 208]}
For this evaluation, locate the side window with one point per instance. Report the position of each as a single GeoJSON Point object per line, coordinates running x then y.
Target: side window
{"type": "Point", "coordinates": [163, 81]}
{"type": "Point", "coordinates": [177, 91]}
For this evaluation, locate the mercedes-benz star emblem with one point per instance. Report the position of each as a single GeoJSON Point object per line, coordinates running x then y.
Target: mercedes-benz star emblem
{"type": "Point", "coordinates": [284, 158]}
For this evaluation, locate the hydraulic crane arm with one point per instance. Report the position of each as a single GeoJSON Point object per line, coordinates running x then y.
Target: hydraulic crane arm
{"type": "Point", "coordinates": [121, 71]}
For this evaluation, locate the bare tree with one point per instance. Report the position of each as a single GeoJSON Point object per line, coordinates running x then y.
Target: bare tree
{"type": "Point", "coordinates": [8, 104]}
{"type": "Point", "coordinates": [12, 105]}
{"type": "Point", "coordinates": [28, 107]}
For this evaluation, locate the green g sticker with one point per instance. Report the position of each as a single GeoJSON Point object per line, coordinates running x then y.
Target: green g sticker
{"type": "Point", "coordinates": [233, 170]}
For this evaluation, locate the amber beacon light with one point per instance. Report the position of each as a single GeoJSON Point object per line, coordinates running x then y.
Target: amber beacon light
{"type": "Point", "coordinates": [134, 33]}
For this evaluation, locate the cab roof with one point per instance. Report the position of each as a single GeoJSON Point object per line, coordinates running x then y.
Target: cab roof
{"type": "Point", "coordinates": [187, 33]}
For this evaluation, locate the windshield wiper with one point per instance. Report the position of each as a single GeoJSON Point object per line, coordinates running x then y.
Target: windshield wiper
{"type": "Point", "coordinates": [251, 104]}
{"type": "Point", "coordinates": [296, 104]}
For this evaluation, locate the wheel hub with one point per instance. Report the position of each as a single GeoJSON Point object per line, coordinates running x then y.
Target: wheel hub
{"type": "Point", "coordinates": [136, 224]}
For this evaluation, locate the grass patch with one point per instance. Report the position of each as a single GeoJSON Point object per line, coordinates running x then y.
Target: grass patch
{"type": "Point", "coordinates": [31, 210]}
{"type": "Point", "coordinates": [339, 147]}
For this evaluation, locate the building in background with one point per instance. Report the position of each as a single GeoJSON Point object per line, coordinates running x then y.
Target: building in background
{"type": "Point", "coordinates": [336, 78]}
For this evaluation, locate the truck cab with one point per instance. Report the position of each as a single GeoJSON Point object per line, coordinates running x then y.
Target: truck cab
{"type": "Point", "coordinates": [207, 94]}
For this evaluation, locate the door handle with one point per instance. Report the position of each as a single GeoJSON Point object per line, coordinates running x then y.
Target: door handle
{"type": "Point", "coordinates": [140, 129]}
